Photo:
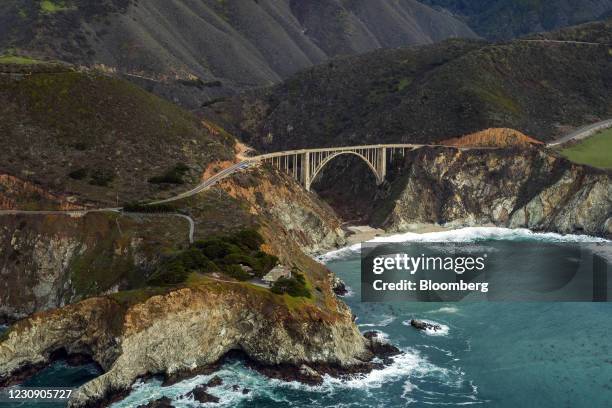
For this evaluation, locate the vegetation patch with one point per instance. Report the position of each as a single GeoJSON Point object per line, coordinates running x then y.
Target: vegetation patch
{"type": "Point", "coordinates": [173, 175]}
{"type": "Point", "coordinates": [295, 286]}
{"type": "Point", "coordinates": [17, 60]}
{"type": "Point", "coordinates": [594, 151]}
{"type": "Point", "coordinates": [78, 174]}
{"type": "Point", "coordinates": [50, 6]}
{"type": "Point", "coordinates": [102, 177]}
{"type": "Point", "coordinates": [238, 256]}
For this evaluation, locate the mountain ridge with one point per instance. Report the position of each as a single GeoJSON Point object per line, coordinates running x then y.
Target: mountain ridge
{"type": "Point", "coordinates": [216, 47]}
{"type": "Point", "coordinates": [430, 93]}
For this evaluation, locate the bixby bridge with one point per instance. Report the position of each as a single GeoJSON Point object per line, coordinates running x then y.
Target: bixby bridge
{"type": "Point", "coordinates": [305, 165]}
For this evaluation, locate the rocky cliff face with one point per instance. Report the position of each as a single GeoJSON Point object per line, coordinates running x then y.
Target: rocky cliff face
{"type": "Point", "coordinates": [529, 188]}
{"type": "Point", "coordinates": [185, 331]}
{"type": "Point", "coordinates": [52, 261]}
{"type": "Point", "coordinates": [296, 214]}
{"type": "Point", "coordinates": [47, 261]}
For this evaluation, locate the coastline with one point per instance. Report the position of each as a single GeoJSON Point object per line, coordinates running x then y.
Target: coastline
{"type": "Point", "coordinates": [363, 233]}
{"type": "Point", "coordinates": [423, 232]}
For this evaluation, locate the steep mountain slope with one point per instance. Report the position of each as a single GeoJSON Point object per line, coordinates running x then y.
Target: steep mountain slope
{"type": "Point", "coordinates": [97, 137]}
{"type": "Point", "coordinates": [431, 93]}
{"type": "Point", "coordinates": [503, 19]}
{"type": "Point", "coordinates": [212, 46]}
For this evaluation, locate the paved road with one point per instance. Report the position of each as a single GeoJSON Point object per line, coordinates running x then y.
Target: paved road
{"type": "Point", "coordinates": [576, 135]}
{"type": "Point", "coordinates": [564, 42]}
{"type": "Point", "coordinates": [582, 133]}
{"type": "Point", "coordinates": [208, 182]}
{"type": "Point", "coordinates": [80, 213]}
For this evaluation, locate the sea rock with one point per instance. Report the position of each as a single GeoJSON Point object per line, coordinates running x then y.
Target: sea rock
{"type": "Point", "coordinates": [421, 325]}
{"type": "Point", "coordinates": [163, 402]}
{"type": "Point", "coordinates": [309, 375]}
{"type": "Point", "coordinates": [379, 346]}
{"type": "Point", "coordinates": [214, 382]}
{"type": "Point", "coordinates": [199, 394]}
{"type": "Point", "coordinates": [338, 286]}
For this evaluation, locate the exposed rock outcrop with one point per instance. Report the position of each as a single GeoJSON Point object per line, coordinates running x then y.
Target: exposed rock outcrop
{"type": "Point", "coordinates": [530, 188]}
{"type": "Point", "coordinates": [305, 220]}
{"type": "Point", "coordinates": [163, 402]}
{"type": "Point", "coordinates": [199, 394]}
{"type": "Point", "coordinates": [184, 330]}
{"type": "Point", "coordinates": [48, 261]}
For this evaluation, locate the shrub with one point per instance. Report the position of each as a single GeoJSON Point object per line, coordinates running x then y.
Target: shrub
{"type": "Point", "coordinates": [236, 272]}
{"type": "Point", "coordinates": [102, 178]}
{"type": "Point", "coordinates": [172, 176]}
{"type": "Point", "coordinates": [248, 238]}
{"type": "Point", "coordinates": [229, 253]}
{"type": "Point", "coordinates": [265, 263]}
{"type": "Point", "coordinates": [169, 272]}
{"type": "Point", "coordinates": [78, 174]}
{"type": "Point", "coordinates": [194, 259]}
{"type": "Point", "coordinates": [294, 286]}
{"type": "Point", "coordinates": [216, 248]}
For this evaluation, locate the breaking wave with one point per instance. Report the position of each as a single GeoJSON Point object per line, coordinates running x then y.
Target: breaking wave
{"type": "Point", "coordinates": [442, 331]}
{"type": "Point", "coordinates": [468, 234]}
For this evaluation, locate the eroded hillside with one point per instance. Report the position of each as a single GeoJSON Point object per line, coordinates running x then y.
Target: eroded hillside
{"type": "Point", "coordinates": [430, 93]}
{"type": "Point", "coordinates": [196, 51]}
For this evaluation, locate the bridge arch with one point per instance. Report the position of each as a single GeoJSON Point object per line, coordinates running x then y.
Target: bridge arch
{"type": "Point", "coordinates": [323, 163]}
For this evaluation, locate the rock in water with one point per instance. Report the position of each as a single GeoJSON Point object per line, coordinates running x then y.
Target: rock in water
{"type": "Point", "coordinates": [421, 325]}
{"type": "Point", "coordinates": [310, 376]}
{"type": "Point", "coordinates": [214, 382]}
{"type": "Point", "coordinates": [379, 347]}
{"type": "Point", "coordinates": [163, 402]}
{"type": "Point", "coordinates": [338, 286]}
{"type": "Point", "coordinates": [199, 394]}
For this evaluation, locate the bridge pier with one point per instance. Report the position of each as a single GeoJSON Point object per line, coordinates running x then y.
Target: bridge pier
{"type": "Point", "coordinates": [306, 180]}
{"type": "Point", "coordinates": [381, 166]}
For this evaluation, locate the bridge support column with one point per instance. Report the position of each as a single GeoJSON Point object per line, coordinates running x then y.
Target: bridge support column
{"type": "Point", "coordinates": [306, 170]}
{"type": "Point", "coordinates": [382, 165]}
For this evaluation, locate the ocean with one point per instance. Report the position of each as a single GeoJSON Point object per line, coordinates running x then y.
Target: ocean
{"type": "Point", "coordinates": [488, 354]}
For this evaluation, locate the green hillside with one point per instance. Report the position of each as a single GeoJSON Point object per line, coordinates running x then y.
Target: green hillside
{"type": "Point", "coordinates": [96, 136]}
{"type": "Point", "coordinates": [431, 93]}
{"type": "Point", "coordinates": [502, 19]}
{"type": "Point", "coordinates": [595, 151]}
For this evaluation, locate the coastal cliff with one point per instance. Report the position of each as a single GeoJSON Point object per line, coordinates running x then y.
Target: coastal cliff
{"type": "Point", "coordinates": [529, 187]}
{"type": "Point", "coordinates": [50, 260]}
{"type": "Point", "coordinates": [183, 332]}
{"type": "Point", "coordinates": [133, 329]}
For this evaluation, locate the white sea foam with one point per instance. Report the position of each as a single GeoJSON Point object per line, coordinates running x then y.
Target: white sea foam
{"type": "Point", "coordinates": [387, 320]}
{"type": "Point", "coordinates": [408, 363]}
{"type": "Point", "coordinates": [445, 309]}
{"type": "Point", "coordinates": [468, 234]}
{"type": "Point", "coordinates": [442, 331]}
{"type": "Point", "coordinates": [349, 292]}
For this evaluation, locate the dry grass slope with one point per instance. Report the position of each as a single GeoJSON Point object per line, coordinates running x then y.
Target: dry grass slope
{"type": "Point", "coordinates": [495, 137]}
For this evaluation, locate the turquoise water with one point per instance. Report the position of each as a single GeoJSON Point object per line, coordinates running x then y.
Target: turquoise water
{"type": "Point", "coordinates": [488, 354]}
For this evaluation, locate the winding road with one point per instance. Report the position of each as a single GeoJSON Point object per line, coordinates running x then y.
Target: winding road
{"type": "Point", "coordinates": [582, 133]}
{"type": "Point", "coordinates": [578, 134]}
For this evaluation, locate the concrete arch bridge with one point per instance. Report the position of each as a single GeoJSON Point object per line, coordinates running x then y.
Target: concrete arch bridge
{"type": "Point", "coordinates": [306, 164]}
